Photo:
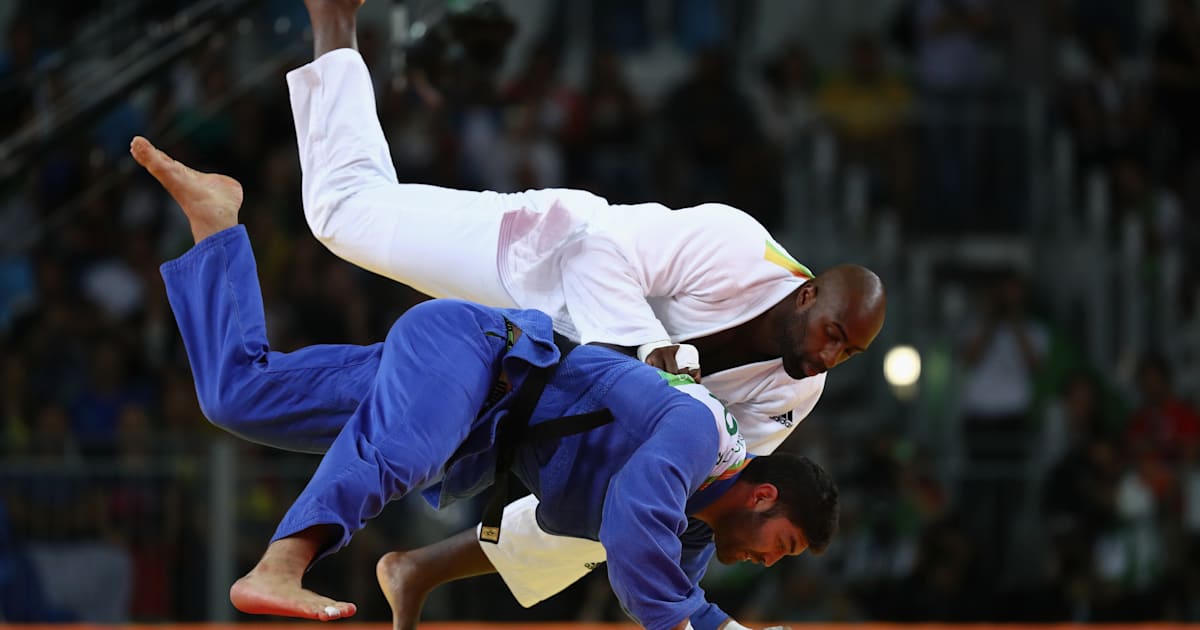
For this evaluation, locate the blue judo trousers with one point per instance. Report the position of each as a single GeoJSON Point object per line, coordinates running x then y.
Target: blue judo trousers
{"type": "Point", "coordinates": [363, 406]}
{"type": "Point", "coordinates": [408, 414]}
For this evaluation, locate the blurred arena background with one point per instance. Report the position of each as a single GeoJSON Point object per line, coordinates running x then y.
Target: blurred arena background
{"type": "Point", "coordinates": [1021, 173]}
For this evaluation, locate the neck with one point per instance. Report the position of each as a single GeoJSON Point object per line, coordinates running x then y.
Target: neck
{"type": "Point", "coordinates": [731, 498]}
{"type": "Point", "coordinates": [746, 343]}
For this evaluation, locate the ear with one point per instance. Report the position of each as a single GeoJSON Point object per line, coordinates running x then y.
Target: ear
{"type": "Point", "coordinates": [763, 497]}
{"type": "Point", "coordinates": [806, 294]}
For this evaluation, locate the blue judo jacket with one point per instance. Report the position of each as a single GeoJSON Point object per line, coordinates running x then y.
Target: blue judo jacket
{"type": "Point", "coordinates": [405, 414]}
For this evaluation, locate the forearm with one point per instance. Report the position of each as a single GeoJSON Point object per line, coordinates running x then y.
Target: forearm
{"type": "Point", "coordinates": [644, 518]}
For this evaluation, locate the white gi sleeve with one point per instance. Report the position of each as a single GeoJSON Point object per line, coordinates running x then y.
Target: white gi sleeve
{"type": "Point", "coordinates": [606, 296]}
{"type": "Point", "coordinates": [661, 274]}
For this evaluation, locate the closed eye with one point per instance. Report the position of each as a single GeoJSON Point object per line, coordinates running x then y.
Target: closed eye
{"type": "Point", "coordinates": [843, 337]}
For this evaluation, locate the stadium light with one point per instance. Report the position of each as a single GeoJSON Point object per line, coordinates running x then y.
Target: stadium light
{"type": "Point", "coordinates": [902, 369]}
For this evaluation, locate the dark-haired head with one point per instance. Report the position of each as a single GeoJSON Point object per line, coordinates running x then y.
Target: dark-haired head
{"type": "Point", "coordinates": [781, 505]}
{"type": "Point", "coordinates": [808, 497]}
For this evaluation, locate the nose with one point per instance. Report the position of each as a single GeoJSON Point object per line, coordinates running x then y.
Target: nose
{"type": "Point", "coordinates": [770, 559]}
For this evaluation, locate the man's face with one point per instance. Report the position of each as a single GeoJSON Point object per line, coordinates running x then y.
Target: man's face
{"type": "Point", "coordinates": [823, 332]}
{"type": "Point", "coordinates": [749, 536]}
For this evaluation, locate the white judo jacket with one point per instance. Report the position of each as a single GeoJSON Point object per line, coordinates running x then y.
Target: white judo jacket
{"type": "Point", "coordinates": [632, 274]}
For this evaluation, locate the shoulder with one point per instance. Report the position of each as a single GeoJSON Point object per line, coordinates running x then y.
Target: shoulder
{"type": "Point", "coordinates": [723, 231]}
{"type": "Point", "coordinates": [704, 430]}
{"type": "Point", "coordinates": [727, 215]}
{"type": "Point", "coordinates": [656, 402]}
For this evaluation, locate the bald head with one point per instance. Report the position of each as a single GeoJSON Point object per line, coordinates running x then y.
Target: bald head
{"type": "Point", "coordinates": [855, 294]}
{"type": "Point", "coordinates": [831, 318]}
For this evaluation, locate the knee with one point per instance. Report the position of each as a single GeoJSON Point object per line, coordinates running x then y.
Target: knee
{"type": "Point", "coordinates": [224, 403]}
{"type": "Point", "coordinates": [321, 212]}
{"type": "Point", "coordinates": [337, 198]}
{"type": "Point", "coordinates": [446, 328]}
{"type": "Point", "coordinates": [339, 220]}
{"type": "Point", "coordinates": [216, 408]}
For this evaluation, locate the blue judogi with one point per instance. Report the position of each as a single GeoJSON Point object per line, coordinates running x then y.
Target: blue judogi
{"type": "Point", "coordinates": [405, 414]}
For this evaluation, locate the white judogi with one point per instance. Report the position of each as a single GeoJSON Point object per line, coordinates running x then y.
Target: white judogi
{"type": "Point", "coordinates": [622, 274]}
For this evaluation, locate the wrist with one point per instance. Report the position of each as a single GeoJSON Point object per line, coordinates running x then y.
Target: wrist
{"type": "Point", "coordinates": [645, 349]}
{"type": "Point", "coordinates": [686, 356]}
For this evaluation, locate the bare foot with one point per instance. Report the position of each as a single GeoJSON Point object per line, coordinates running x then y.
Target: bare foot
{"type": "Point", "coordinates": [210, 201]}
{"type": "Point", "coordinates": [264, 593]}
{"type": "Point", "coordinates": [397, 572]}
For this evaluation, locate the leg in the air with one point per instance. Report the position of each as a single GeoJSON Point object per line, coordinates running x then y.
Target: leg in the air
{"type": "Point", "coordinates": [439, 241]}
{"type": "Point", "coordinates": [407, 577]}
{"type": "Point", "coordinates": [295, 401]}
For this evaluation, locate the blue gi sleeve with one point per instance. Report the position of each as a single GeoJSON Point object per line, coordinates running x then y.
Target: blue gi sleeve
{"type": "Point", "coordinates": [697, 551]}
{"type": "Point", "coordinates": [644, 518]}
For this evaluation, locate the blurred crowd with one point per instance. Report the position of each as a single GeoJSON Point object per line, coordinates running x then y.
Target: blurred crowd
{"type": "Point", "coordinates": [1039, 482]}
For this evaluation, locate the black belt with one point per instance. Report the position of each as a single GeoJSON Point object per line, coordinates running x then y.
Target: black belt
{"type": "Point", "coordinates": [514, 430]}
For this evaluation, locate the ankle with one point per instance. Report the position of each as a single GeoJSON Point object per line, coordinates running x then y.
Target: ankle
{"type": "Point", "coordinates": [291, 556]}
{"type": "Point", "coordinates": [334, 26]}
{"type": "Point", "coordinates": [405, 567]}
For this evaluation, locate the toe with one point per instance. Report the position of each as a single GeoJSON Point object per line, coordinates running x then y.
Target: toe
{"type": "Point", "coordinates": [146, 154]}
{"type": "Point", "coordinates": [337, 610]}
{"type": "Point", "coordinates": [140, 148]}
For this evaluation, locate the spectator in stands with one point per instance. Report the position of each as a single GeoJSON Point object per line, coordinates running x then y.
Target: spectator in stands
{"type": "Point", "coordinates": [869, 107]}
{"type": "Point", "coordinates": [614, 133]}
{"type": "Point", "coordinates": [16, 404]}
{"type": "Point", "coordinates": [1176, 80]}
{"type": "Point", "coordinates": [786, 99]}
{"type": "Point", "coordinates": [1108, 106]}
{"type": "Point", "coordinates": [953, 70]}
{"type": "Point", "coordinates": [1001, 350]}
{"type": "Point", "coordinates": [109, 388]}
{"type": "Point", "coordinates": [18, 57]}
{"type": "Point", "coordinates": [22, 598]}
{"type": "Point", "coordinates": [1163, 427]}
{"type": "Point", "coordinates": [713, 144]}
{"type": "Point", "coordinates": [1078, 498]}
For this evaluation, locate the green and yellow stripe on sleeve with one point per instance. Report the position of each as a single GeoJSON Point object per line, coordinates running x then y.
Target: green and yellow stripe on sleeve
{"type": "Point", "coordinates": [775, 253]}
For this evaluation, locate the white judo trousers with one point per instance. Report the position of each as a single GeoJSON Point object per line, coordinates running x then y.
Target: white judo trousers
{"type": "Point", "coordinates": [644, 273]}
{"type": "Point", "coordinates": [439, 241]}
